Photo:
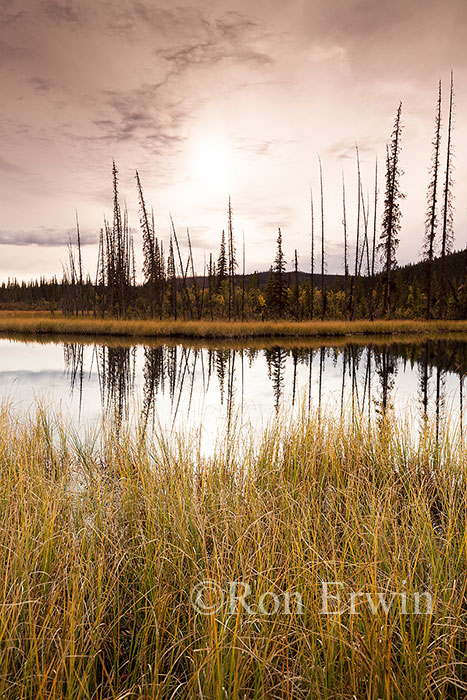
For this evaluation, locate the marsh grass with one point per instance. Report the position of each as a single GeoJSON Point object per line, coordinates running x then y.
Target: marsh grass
{"type": "Point", "coordinates": [24, 323]}
{"type": "Point", "coordinates": [102, 539]}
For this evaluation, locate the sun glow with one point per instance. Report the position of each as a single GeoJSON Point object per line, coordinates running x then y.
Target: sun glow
{"type": "Point", "coordinates": [212, 165]}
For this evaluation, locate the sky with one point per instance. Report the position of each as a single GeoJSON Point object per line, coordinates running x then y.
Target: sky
{"type": "Point", "coordinates": [210, 99]}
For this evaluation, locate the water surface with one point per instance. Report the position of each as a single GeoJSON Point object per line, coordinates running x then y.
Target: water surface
{"type": "Point", "coordinates": [179, 386]}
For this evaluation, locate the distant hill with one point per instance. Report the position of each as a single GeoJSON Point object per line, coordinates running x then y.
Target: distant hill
{"type": "Point", "coordinates": [262, 278]}
{"type": "Point", "coordinates": [456, 268]}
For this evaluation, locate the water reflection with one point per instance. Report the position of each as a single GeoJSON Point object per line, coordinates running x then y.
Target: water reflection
{"type": "Point", "coordinates": [178, 383]}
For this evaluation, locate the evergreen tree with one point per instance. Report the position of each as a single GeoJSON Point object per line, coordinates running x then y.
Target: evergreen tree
{"type": "Point", "coordinates": [149, 248]}
{"type": "Point", "coordinates": [270, 291]}
{"type": "Point", "coordinates": [118, 254]}
{"type": "Point", "coordinates": [278, 301]}
{"type": "Point", "coordinates": [221, 263]}
{"type": "Point", "coordinates": [431, 220]}
{"type": "Point", "coordinates": [389, 238]}
{"type": "Point", "coordinates": [172, 281]}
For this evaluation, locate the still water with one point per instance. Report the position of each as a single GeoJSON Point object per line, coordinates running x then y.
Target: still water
{"type": "Point", "coordinates": [180, 386]}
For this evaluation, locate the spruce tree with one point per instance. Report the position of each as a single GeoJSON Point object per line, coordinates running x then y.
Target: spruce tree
{"type": "Point", "coordinates": [270, 291]}
{"type": "Point", "coordinates": [431, 221]}
{"type": "Point", "coordinates": [149, 249]}
{"type": "Point", "coordinates": [279, 278]}
{"type": "Point", "coordinates": [389, 238]}
{"type": "Point", "coordinates": [221, 263]}
{"type": "Point", "coordinates": [172, 281]}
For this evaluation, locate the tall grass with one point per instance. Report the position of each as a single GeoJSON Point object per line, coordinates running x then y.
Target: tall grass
{"type": "Point", "coordinates": [42, 324]}
{"type": "Point", "coordinates": [103, 538]}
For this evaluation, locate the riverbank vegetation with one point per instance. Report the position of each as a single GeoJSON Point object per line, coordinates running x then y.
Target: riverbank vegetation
{"type": "Point", "coordinates": [42, 324]}
{"type": "Point", "coordinates": [104, 537]}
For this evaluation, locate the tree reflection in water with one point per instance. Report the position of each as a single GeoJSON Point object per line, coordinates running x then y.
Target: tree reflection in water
{"type": "Point", "coordinates": [364, 376]}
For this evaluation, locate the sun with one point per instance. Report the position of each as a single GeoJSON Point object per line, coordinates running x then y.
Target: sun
{"type": "Point", "coordinates": [212, 164]}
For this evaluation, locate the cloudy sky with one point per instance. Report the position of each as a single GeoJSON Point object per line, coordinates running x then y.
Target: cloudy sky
{"type": "Point", "coordinates": [210, 98]}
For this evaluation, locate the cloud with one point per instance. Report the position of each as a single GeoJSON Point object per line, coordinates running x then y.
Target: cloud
{"type": "Point", "coordinates": [7, 20]}
{"type": "Point", "coordinates": [9, 51]}
{"type": "Point", "coordinates": [263, 147]}
{"type": "Point", "coordinates": [63, 12]}
{"type": "Point", "coordinates": [344, 150]}
{"type": "Point", "coordinates": [230, 37]}
{"type": "Point", "coordinates": [141, 115]}
{"type": "Point", "coordinates": [333, 52]}
{"type": "Point", "coordinates": [130, 19]}
{"type": "Point", "coordinates": [45, 236]}
{"type": "Point", "coordinates": [256, 148]}
{"type": "Point", "coordinates": [154, 114]}
{"type": "Point", "coordinates": [10, 168]}
{"type": "Point", "coordinates": [209, 53]}
{"type": "Point", "coordinates": [40, 84]}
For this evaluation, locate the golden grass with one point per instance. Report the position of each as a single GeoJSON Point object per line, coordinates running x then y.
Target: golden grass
{"type": "Point", "coordinates": [102, 540]}
{"type": "Point", "coordinates": [48, 324]}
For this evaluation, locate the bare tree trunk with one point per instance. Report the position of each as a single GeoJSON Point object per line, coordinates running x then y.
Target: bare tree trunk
{"type": "Point", "coordinates": [346, 261]}
{"type": "Point", "coordinates": [195, 284]}
{"type": "Point", "coordinates": [357, 245]}
{"type": "Point", "coordinates": [232, 265]}
{"type": "Point", "coordinates": [373, 247]}
{"type": "Point", "coordinates": [312, 258]}
{"type": "Point", "coordinates": [80, 266]}
{"type": "Point", "coordinates": [243, 277]}
{"type": "Point", "coordinates": [391, 217]}
{"type": "Point", "coordinates": [185, 286]}
{"type": "Point", "coordinates": [323, 288]}
{"type": "Point", "coordinates": [431, 220]}
{"type": "Point", "coordinates": [297, 290]}
{"type": "Point", "coordinates": [447, 206]}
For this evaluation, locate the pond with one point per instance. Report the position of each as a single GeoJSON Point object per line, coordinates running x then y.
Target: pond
{"type": "Point", "coordinates": [182, 386]}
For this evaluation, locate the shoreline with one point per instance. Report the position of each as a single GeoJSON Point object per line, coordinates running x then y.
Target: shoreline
{"type": "Point", "coordinates": [38, 325]}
